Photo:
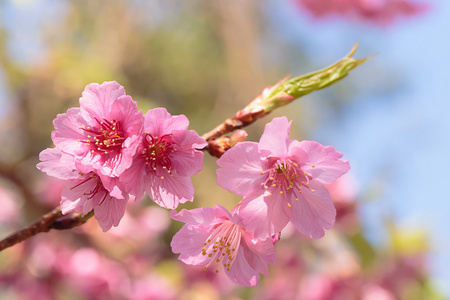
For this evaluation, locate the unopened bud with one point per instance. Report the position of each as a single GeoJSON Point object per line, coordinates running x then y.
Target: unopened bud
{"type": "Point", "coordinates": [286, 90]}
{"type": "Point", "coordinates": [237, 137]}
{"type": "Point", "coordinates": [217, 147]}
{"type": "Point", "coordinates": [276, 237]}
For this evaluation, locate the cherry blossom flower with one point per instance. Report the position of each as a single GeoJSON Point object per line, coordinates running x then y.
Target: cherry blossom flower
{"type": "Point", "coordinates": [377, 11]}
{"type": "Point", "coordinates": [166, 159]}
{"type": "Point", "coordinates": [85, 188]}
{"type": "Point", "coordinates": [102, 133]}
{"type": "Point", "coordinates": [282, 180]}
{"type": "Point", "coordinates": [214, 237]}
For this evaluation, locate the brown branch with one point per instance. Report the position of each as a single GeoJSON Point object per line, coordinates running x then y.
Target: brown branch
{"type": "Point", "coordinates": [227, 126]}
{"type": "Point", "coordinates": [54, 219]}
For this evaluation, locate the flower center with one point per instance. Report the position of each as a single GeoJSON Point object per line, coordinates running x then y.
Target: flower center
{"type": "Point", "coordinates": [157, 152]}
{"type": "Point", "coordinates": [222, 245]}
{"type": "Point", "coordinates": [92, 185]}
{"type": "Point", "coordinates": [104, 138]}
{"type": "Point", "coordinates": [286, 176]}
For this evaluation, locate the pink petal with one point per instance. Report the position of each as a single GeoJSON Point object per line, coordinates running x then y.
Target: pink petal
{"type": "Point", "coordinates": [275, 138]}
{"type": "Point", "coordinates": [125, 110]}
{"type": "Point", "coordinates": [187, 161]}
{"type": "Point", "coordinates": [110, 212]}
{"type": "Point", "coordinates": [75, 200]}
{"type": "Point", "coordinates": [327, 166]}
{"type": "Point", "coordinates": [159, 122]}
{"type": "Point", "coordinates": [197, 216]}
{"type": "Point", "coordinates": [57, 164]}
{"type": "Point", "coordinates": [133, 178]}
{"type": "Point", "coordinates": [170, 191]}
{"type": "Point", "coordinates": [259, 253]}
{"type": "Point", "coordinates": [241, 169]}
{"type": "Point", "coordinates": [67, 132]}
{"type": "Point", "coordinates": [314, 211]}
{"type": "Point", "coordinates": [96, 99]}
{"type": "Point", "coordinates": [265, 215]}
{"type": "Point", "coordinates": [113, 185]}
{"type": "Point", "coordinates": [241, 272]}
{"type": "Point", "coordinates": [189, 242]}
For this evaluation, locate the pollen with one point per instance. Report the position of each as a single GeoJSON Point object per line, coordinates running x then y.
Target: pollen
{"type": "Point", "coordinates": [108, 136]}
{"type": "Point", "coordinates": [158, 153]}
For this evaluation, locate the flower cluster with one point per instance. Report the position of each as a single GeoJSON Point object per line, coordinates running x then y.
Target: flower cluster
{"type": "Point", "coordinates": [281, 181]}
{"type": "Point", "coordinates": [109, 153]}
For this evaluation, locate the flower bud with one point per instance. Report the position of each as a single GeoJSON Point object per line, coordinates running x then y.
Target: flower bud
{"type": "Point", "coordinates": [287, 90]}
{"type": "Point", "coordinates": [237, 137]}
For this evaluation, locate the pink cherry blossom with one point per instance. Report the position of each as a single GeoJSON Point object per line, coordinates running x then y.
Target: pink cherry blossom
{"type": "Point", "coordinates": [85, 189]}
{"type": "Point", "coordinates": [377, 11]}
{"type": "Point", "coordinates": [166, 159]}
{"type": "Point", "coordinates": [104, 132]}
{"type": "Point", "coordinates": [214, 237]}
{"type": "Point", "coordinates": [282, 180]}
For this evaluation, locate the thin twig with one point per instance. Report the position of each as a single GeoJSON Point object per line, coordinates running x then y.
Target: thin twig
{"type": "Point", "coordinates": [54, 219]}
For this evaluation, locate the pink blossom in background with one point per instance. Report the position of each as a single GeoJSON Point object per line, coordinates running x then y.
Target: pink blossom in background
{"type": "Point", "coordinates": [94, 276]}
{"type": "Point", "coordinates": [151, 287]}
{"type": "Point", "coordinates": [104, 132]}
{"type": "Point", "coordinates": [166, 159]}
{"type": "Point", "coordinates": [214, 237]}
{"type": "Point", "coordinates": [344, 194]}
{"type": "Point", "coordinates": [85, 190]}
{"type": "Point", "coordinates": [10, 207]}
{"type": "Point", "coordinates": [377, 11]}
{"type": "Point", "coordinates": [49, 189]}
{"type": "Point", "coordinates": [142, 225]}
{"type": "Point", "coordinates": [282, 180]}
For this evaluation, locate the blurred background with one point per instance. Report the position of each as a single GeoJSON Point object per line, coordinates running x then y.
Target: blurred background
{"type": "Point", "coordinates": [207, 60]}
